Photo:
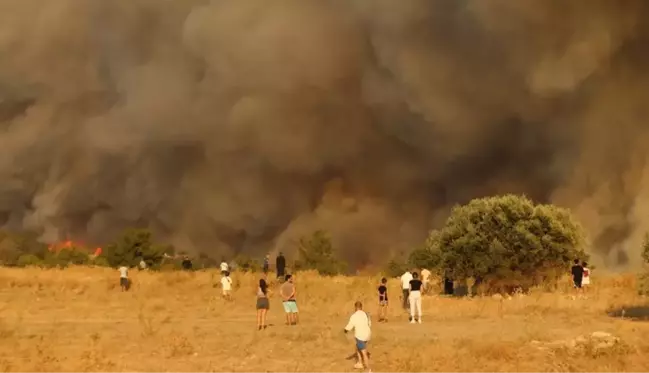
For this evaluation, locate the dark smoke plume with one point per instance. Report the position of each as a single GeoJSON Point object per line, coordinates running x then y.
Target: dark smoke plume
{"type": "Point", "coordinates": [239, 126]}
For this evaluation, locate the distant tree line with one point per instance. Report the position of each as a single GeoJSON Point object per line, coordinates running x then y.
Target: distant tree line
{"type": "Point", "coordinates": [501, 243]}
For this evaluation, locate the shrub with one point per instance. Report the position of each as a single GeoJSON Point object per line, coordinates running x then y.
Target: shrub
{"type": "Point", "coordinates": [247, 264]}
{"type": "Point", "coordinates": [66, 257]}
{"type": "Point", "coordinates": [316, 252]}
{"type": "Point", "coordinates": [504, 242]}
{"type": "Point", "coordinates": [101, 261]}
{"type": "Point", "coordinates": [395, 267]}
{"type": "Point", "coordinates": [133, 245]}
{"type": "Point", "coordinates": [204, 261]}
{"type": "Point", "coordinates": [27, 260]}
{"type": "Point", "coordinates": [15, 244]}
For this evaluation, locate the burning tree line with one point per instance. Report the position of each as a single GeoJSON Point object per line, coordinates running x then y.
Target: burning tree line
{"type": "Point", "coordinates": [24, 249]}
{"type": "Point", "coordinates": [503, 242]}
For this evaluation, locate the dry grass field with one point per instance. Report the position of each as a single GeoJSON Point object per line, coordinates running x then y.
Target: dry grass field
{"type": "Point", "coordinates": [78, 320]}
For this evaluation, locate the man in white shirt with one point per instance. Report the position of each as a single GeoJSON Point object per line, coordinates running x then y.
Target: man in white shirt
{"type": "Point", "coordinates": [361, 324]}
{"type": "Point", "coordinates": [224, 267]}
{"type": "Point", "coordinates": [123, 277]}
{"type": "Point", "coordinates": [405, 286]}
{"type": "Point", "coordinates": [226, 284]}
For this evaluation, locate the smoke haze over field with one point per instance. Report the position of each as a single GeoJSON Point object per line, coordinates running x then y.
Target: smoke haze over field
{"type": "Point", "coordinates": [229, 126]}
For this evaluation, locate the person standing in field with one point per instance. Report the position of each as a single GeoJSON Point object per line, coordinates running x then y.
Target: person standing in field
{"type": "Point", "coordinates": [187, 263]}
{"type": "Point", "coordinates": [362, 325]}
{"type": "Point", "coordinates": [425, 279]}
{"type": "Point", "coordinates": [585, 281]}
{"type": "Point", "coordinates": [123, 277]}
{"type": "Point", "coordinates": [415, 298]}
{"type": "Point", "coordinates": [383, 300]}
{"type": "Point", "coordinates": [224, 267]}
{"type": "Point", "coordinates": [577, 274]}
{"type": "Point", "coordinates": [280, 265]}
{"type": "Point", "coordinates": [226, 284]}
{"type": "Point", "coordinates": [288, 292]}
{"type": "Point", "coordinates": [405, 286]}
{"type": "Point", "coordinates": [263, 305]}
{"type": "Point", "coordinates": [266, 264]}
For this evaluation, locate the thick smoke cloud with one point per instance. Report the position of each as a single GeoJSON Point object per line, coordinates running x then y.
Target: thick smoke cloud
{"type": "Point", "coordinates": [239, 126]}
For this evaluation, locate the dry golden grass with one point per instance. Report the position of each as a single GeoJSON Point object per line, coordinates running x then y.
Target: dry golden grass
{"type": "Point", "coordinates": [78, 320]}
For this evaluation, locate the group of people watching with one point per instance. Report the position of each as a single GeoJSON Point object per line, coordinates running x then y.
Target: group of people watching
{"type": "Point", "coordinates": [413, 285]}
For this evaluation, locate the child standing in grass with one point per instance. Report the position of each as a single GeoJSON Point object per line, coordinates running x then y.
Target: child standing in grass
{"type": "Point", "coordinates": [226, 284]}
{"type": "Point", "coordinates": [383, 300]}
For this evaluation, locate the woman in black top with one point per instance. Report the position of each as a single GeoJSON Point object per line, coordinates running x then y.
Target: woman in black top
{"type": "Point", "coordinates": [415, 298]}
{"type": "Point", "coordinates": [383, 300]}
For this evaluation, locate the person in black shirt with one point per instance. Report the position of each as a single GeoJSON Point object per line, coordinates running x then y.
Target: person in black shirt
{"type": "Point", "coordinates": [187, 264]}
{"type": "Point", "coordinates": [577, 274]}
{"type": "Point", "coordinates": [415, 298]}
{"type": "Point", "coordinates": [280, 265]}
{"type": "Point", "coordinates": [383, 300]}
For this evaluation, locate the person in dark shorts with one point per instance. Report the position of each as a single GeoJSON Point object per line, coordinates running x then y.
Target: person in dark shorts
{"type": "Point", "coordinates": [280, 265]}
{"type": "Point", "coordinates": [383, 300]}
{"type": "Point", "coordinates": [123, 277]}
{"type": "Point", "coordinates": [577, 274]}
{"type": "Point", "coordinates": [263, 305]}
{"type": "Point", "coordinates": [266, 264]}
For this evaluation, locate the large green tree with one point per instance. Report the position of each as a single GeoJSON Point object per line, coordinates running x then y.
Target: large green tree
{"type": "Point", "coordinates": [506, 240]}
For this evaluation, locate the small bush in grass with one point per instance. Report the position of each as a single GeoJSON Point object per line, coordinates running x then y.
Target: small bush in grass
{"type": "Point", "coordinates": [100, 261]}
{"type": "Point", "coordinates": [247, 264]}
{"type": "Point", "coordinates": [395, 268]}
{"type": "Point", "coordinates": [27, 260]}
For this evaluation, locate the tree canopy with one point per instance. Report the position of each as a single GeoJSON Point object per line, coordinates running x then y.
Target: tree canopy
{"type": "Point", "coordinates": [506, 238]}
{"type": "Point", "coordinates": [134, 245]}
{"type": "Point", "coordinates": [316, 252]}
